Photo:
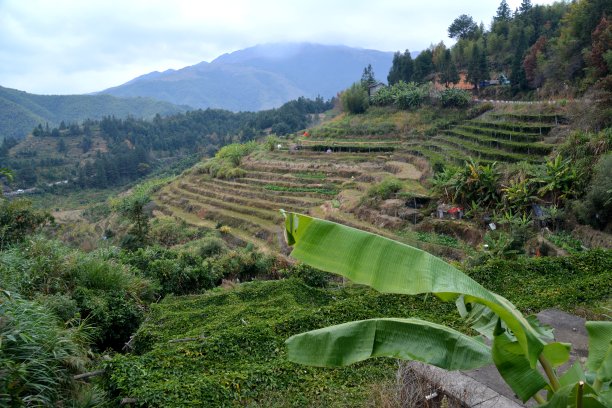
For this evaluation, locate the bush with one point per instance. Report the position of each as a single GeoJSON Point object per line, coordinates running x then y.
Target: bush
{"type": "Point", "coordinates": [18, 219]}
{"type": "Point", "coordinates": [169, 232]}
{"type": "Point", "coordinates": [211, 246]}
{"type": "Point", "coordinates": [385, 189]}
{"type": "Point", "coordinates": [455, 98]}
{"type": "Point", "coordinates": [596, 208]}
{"type": "Point", "coordinates": [355, 99]}
{"type": "Point", "coordinates": [243, 264]}
{"type": "Point", "coordinates": [311, 276]}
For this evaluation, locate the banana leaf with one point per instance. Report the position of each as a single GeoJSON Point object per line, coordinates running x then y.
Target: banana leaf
{"type": "Point", "coordinates": [392, 267]}
{"type": "Point", "coordinates": [407, 339]}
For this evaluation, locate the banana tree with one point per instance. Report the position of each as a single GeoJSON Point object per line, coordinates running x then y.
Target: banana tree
{"type": "Point", "coordinates": [521, 348]}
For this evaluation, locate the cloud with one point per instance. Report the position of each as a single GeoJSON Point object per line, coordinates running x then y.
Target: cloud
{"type": "Point", "coordinates": [75, 46]}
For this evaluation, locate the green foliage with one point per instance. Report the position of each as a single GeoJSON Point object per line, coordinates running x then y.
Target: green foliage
{"type": "Point", "coordinates": [518, 342]}
{"type": "Point", "coordinates": [475, 183]}
{"type": "Point", "coordinates": [18, 219]}
{"type": "Point", "coordinates": [355, 99]}
{"type": "Point", "coordinates": [566, 241]}
{"type": "Point", "coordinates": [463, 27]}
{"type": "Point", "coordinates": [105, 292]}
{"type": "Point", "coordinates": [225, 164]}
{"type": "Point", "coordinates": [133, 208]}
{"type": "Point", "coordinates": [309, 275]}
{"type": "Point", "coordinates": [318, 190]}
{"type": "Point", "coordinates": [38, 355]}
{"type": "Point", "coordinates": [455, 98]}
{"type": "Point", "coordinates": [402, 68]}
{"type": "Point", "coordinates": [385, 189]}
{"type": "Point", "coordinates": [236, 356]}
{"type": "Point", "coordinates": [596, 207]}
{"type": "Point", "coordinates": [169, 232]}
{"type": "Point", "coordinates": [175, 272]}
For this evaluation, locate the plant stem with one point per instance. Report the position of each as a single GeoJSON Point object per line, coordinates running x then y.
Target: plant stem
{"type": "Point", "coordinates": [597, 384]}
{"type": "Point", "coordinates": [579, 394]}
{"type": "Point", "coordinates": [539, 399]}
{"type": "Point", "coordinates": [550, 373]}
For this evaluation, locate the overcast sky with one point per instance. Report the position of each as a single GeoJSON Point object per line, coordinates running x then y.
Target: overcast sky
{"type": "Point", "coordinates": [80, 46]}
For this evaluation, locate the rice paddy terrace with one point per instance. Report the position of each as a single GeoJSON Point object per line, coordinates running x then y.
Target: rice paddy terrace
{"type": "Point", "coordinates": [327, 171]}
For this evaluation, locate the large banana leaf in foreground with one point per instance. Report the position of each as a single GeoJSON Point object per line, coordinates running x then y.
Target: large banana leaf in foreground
{"type": "Point", "coordinates": [408, 339]}
{"type": "Point", "coordinates": [392, 267]}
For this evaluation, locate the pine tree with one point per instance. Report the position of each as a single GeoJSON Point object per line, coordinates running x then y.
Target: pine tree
{"type": "Point", "coordinates": [503, 12]}
{"type": "Point", "coordinates": [368, 78]}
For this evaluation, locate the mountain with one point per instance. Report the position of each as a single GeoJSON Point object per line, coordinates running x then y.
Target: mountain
{"type": "Point", "coordinates": [260, 77]}
{"type": "Point", "coordinates": [20, 111]}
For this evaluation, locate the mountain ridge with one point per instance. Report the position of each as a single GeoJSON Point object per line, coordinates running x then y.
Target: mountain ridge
{"type": "Point", "coordinates": [260, 77]}
{"type": "Point", "coordinates": [21, 111]}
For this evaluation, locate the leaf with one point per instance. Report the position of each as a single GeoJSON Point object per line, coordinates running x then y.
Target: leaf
{"type": "Point", "coordinates": [514, 367]}
{"type": "Point", "coordinates": [408, 339]}
{"type": "Point", "coordinates": [566, 397]}
{"type": "Point", "coordinates": [572, 376]}
{"type": "Point", "coordinates": [557, 353]}
{"type": "Point", "coordinates": [392, 267]}
{"type": "Point", "coordinates": [599, 360]}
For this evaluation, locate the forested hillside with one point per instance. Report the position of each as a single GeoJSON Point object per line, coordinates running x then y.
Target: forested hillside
{"type": "Point", "coordinates": [21, 111]}
{"type": "Point", "coordinates": [536, 51]}
{"type": "Point", "coordinates": [110, 151]}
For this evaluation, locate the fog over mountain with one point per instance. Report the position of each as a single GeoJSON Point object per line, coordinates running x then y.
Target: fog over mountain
{"type": "Point", "coordinates": [260, 77]}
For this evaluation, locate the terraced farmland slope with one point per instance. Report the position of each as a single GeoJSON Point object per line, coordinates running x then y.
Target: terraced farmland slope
{"type": "Point", "coordinates": [502, 137]}
{"type": "Point", "coordinates": [328, 170]}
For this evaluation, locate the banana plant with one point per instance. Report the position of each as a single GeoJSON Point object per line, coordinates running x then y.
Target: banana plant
{"type": "Point", "coordinates": [521, 347]}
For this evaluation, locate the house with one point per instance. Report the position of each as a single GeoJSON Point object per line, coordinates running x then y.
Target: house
{"type": "Point", "coordinates": [372, 89]}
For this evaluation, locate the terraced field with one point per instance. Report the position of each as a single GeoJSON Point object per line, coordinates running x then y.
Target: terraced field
{"type": "Point", "coordinates": [502, 137]}
{"type": "Point", "coordinates": [304, 181]}
{"type": "Point", "coordinates": [328, 176]}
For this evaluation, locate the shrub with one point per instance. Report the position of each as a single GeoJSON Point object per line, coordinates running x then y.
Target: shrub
{"type": "Point", "coordinates": [596, 208]}
{"type": "Point", "coordinates": [311, 276]}
{"type": "Point", "coordinates": [455, 98]}
{"type": "Point", "coordinates": [169, 232]}
{"type": "Point", "coordinates": [18, 219]}
{"type": "Point", "coordinates": [355, 99]}
{"type": "Point", "coordinates": [210, 246]}
{"type": "Point", "coordinates": [385, 189]}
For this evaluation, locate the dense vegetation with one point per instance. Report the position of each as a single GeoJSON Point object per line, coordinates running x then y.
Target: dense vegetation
{"type": "Point", "coordinates": [21, 111]}
{"type": "Point", "coordinates": [111, 151]}
{"type": "Point", "coordinates": [558, 49]}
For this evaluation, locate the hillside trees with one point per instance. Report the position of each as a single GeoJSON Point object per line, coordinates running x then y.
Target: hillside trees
{"type": "Point", "coordinates": [355, 99]}
{"type": "Point", "coordinates": [463, 27]}
{"type": "Point", "coordinates": [402, 68]}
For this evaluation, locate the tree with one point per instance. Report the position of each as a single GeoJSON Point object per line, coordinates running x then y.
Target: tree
{"type": "Point", "coordinates": [355, 99]}
{"type": "Point", "coordinates": [368, 78]}
{"type": "Point", "coordinates": [503, 12]}
{"type": "Point", "coordinates": [463, 27]}
{"type": "Point", "coordinates": [519, 343]}
{"type": "Point", "coordinates": [525, 6]}
{"type": "Point", "coordinates": [61, 146]}
{"type": "Point", "coordinates": [448, 70]}
{"type": "Point", "coordinates": [402, 68]}
{"type": "Point", "coordinates": [423, 66]}
{"type": "Point", "coordinates": [477, 68]}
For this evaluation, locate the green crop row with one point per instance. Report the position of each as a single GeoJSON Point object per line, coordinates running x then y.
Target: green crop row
{"type": "Point", "coordinates": [516, 147]}
{"type": "Point", "coordinates": [319, 190]}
